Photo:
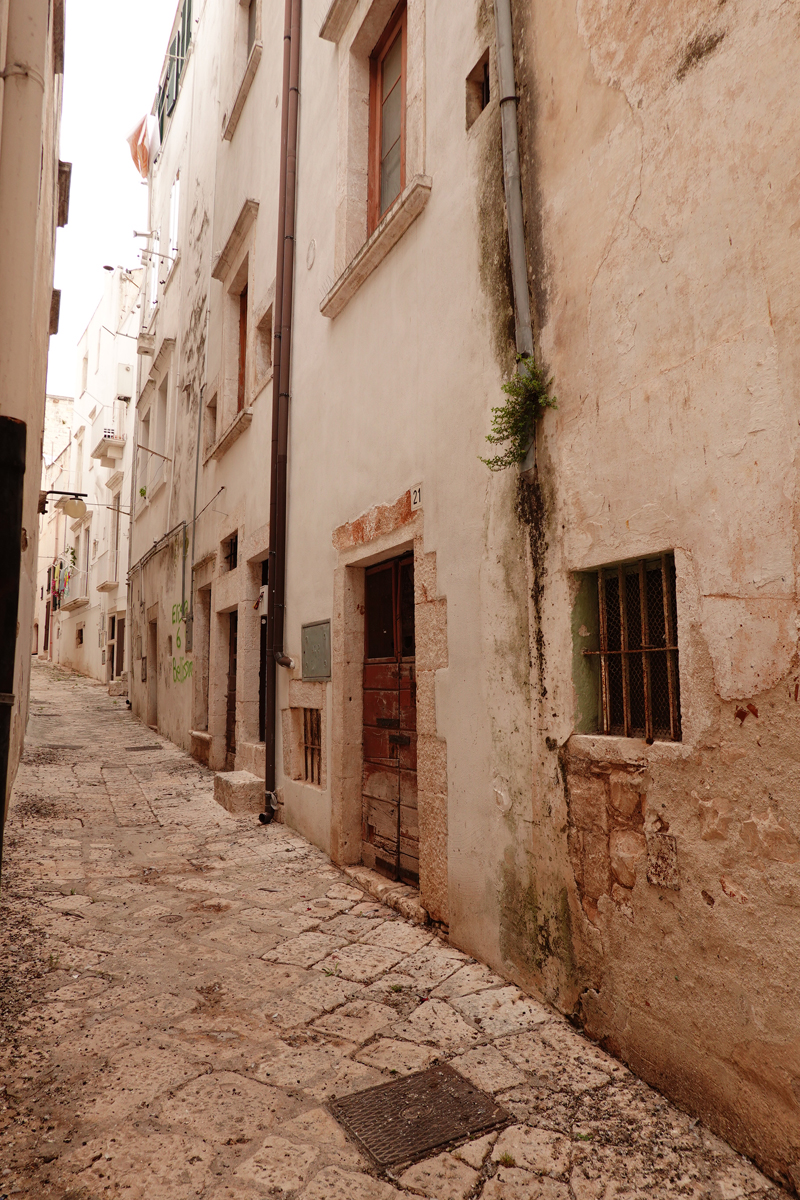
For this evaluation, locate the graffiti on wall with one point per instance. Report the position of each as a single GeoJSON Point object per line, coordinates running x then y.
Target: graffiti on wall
{"type": "Point", "coordinates": [181, 667]}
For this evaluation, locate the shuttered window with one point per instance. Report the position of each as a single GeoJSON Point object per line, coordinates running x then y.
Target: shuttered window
{"type": "Point", "coordinates": [176, 57]}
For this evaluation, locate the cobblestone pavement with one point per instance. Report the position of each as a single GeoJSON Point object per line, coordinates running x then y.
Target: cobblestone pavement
{"type": "Point", "coordinates": [183, 991]}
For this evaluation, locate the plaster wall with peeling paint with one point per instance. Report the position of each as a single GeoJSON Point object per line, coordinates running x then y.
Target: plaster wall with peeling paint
{"type": "Point", "coordinates": [30, 122]}
{"type": "Point", "coordinates": [661, 184]}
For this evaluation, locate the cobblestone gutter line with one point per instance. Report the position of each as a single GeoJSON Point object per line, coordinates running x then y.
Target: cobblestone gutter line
{"type": "Point", "coordinates": [183, 991]}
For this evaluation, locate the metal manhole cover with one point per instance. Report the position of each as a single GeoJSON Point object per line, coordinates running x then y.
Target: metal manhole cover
{"type": "Point", "coordinates": [408, 1119]}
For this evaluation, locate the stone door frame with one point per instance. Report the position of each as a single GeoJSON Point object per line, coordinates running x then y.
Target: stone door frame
{"type": "Point", "coordinates": [386, 531]}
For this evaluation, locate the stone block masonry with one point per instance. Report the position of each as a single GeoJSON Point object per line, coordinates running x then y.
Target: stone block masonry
{"type": "Point", "coordinates": [239, 791]}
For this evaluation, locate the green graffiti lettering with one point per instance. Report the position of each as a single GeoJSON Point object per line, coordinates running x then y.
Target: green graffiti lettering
{"type": "Point", "coordinates": [181, 670]}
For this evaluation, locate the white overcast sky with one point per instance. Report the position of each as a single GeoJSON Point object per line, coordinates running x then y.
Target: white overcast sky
{"type": "Point", "coordinates": [114, 53]}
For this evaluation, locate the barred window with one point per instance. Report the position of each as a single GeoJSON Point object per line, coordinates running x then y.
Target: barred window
{"type": "Point", "coordinates": [638, 650]}
{"type": "Point", "coordinates": [312, 745]}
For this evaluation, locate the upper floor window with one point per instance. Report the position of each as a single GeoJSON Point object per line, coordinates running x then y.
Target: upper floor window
{"type": "Point", "coordinates": [387, 119]}
{"type": "Point", "coordinates": [242, 377]}
{"type": "Point", "coordinates": [230, 549]}
{"type": "Point", "coordinates": [173, 70]}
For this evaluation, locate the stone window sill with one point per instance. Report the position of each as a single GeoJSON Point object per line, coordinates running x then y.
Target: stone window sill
{"type": "Point", "coordinates": [605, 748]}
{"type": "Point", "coordinates": [153, 491]}
{"type": "Point", "coordinates": [404, 212]}
{"type": "Point", "coordinates": [238, 425]}
{"type": "Point", "coordinates": [78, 602]}
{"type": "Point", "coordinates": [229, 125]}
{"type": "Point", "coordinates": [261, 385]}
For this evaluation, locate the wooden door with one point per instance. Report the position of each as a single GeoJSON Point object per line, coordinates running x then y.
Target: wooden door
{"type": "Point", "coordinates": [230, 721]}
{"type": "Point", "coordinates": [119, 657]}
{"type": "Point", "coordinates": [389, 824]}
{"type": "Point", "coordinates": [112, 645]}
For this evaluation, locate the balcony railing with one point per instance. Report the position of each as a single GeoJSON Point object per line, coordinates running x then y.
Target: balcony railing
{"type": "Point", "coordinates": [104, 572]}
{"type": "Point", "coordinates": [76, 589]}
{"type": "Point", "coordinates": [109, 447]}
{"type": "Point", "coordinates": [108, 435]}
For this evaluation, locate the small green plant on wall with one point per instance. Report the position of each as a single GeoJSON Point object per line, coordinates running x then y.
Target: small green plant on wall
{"type": "Point", "coordinates": [528, 395]}
{"type": "Point", "coordinates": [143, 493]}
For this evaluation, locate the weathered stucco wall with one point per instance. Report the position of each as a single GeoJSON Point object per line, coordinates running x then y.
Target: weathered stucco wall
{"type": "Point", "coordinates": [30, 119]}
{"type": "Point", "coordinates": [658, 157]}
{"type": "Point", "coordinates": [661, 192]}
{"type": "Point", "coordinates": [108, 342]}
{"type": "Point", "coordinates": [198, 365]}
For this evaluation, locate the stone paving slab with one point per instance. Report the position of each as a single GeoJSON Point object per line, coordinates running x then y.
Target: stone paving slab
{"type": "Point", "coordinates": [183, 990]}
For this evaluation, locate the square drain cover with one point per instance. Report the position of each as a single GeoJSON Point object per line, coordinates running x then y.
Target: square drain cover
{"type": "Point", "coordinates": [410, 1118]}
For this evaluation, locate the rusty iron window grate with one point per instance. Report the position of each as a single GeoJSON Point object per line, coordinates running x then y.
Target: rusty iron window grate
{"type": "Point", "coordinates": [411, 1118]}
{"type": "Point", "coordinates": [312, 745]}
{"type": "Point", "coordinates": [638, 651]}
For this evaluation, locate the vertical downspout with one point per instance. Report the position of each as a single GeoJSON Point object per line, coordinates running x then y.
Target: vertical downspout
{"type": "Point", "coordinates": [190, 617]}
{"type": "Point", "coordinates": [511, 175]}
{"type": "Point", "coordinates": [284, 288]}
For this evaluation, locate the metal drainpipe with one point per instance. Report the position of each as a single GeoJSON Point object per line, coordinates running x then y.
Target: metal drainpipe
{"type": "Point", "coordinates": [511, 174]}
{"type": "Point", "coordinates": [284, 288]}
{"type": "Point", "coordinates": [190, 617]}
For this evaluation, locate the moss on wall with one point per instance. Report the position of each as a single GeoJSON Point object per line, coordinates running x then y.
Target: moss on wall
{"type": "Point", "coordinates": [534, 928]}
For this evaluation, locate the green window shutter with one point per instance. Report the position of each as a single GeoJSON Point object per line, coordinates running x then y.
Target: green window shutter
{"type": "Point", "coordinates": [186, 28]}
{"type": "Point", "coordinates": [161, 108]}
{"type": "Point", "coordinates": [172, 74]}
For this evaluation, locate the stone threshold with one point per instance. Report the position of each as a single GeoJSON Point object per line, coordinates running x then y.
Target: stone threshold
{"type": "Point", "coordinates": [403, 899]}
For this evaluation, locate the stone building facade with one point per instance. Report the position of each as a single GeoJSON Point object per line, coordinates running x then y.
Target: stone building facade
{"type": "Point", "coordinates": [34, 201]}
{"type": "Point", "coordinates": [81, 608]}
{"type": "Point", "coordinates": [663, 892]}
{"type": "Point", "coordinates": [561, 699]}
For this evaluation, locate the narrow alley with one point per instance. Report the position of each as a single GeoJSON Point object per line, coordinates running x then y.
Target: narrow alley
{"type": "Point", "coordinates": [185, 992]}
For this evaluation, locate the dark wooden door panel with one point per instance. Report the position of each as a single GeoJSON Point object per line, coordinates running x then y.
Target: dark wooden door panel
{"type": "Point", "coordinates": [381, 707]}
{"type": "Point", "coordinates": [409, 870]}
{"type": "Point", "coordinates": [381, 675]}
{"type": "Point", "coordinates": [380, 782]}
{"type": "Point", "coordinates": [390, 826]}
{"type": "Point", "coordinates": [409, 830]}
{"type": "Point", "coordinates": [380, 818]}
{"type": "Point", "coordinates": [408, 788]}
{"type": "Point", "coordinates": [377, 747]}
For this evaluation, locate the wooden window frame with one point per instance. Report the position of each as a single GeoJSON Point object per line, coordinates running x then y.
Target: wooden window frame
{"type": "Point", "coordinates": [394, 565]}
{"type": "Point", "coordinates": [231, 556]}
{"type": "Point", "coordinates": [397, 23]}
{"type": "Point", "coordinates": [241, 384]}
